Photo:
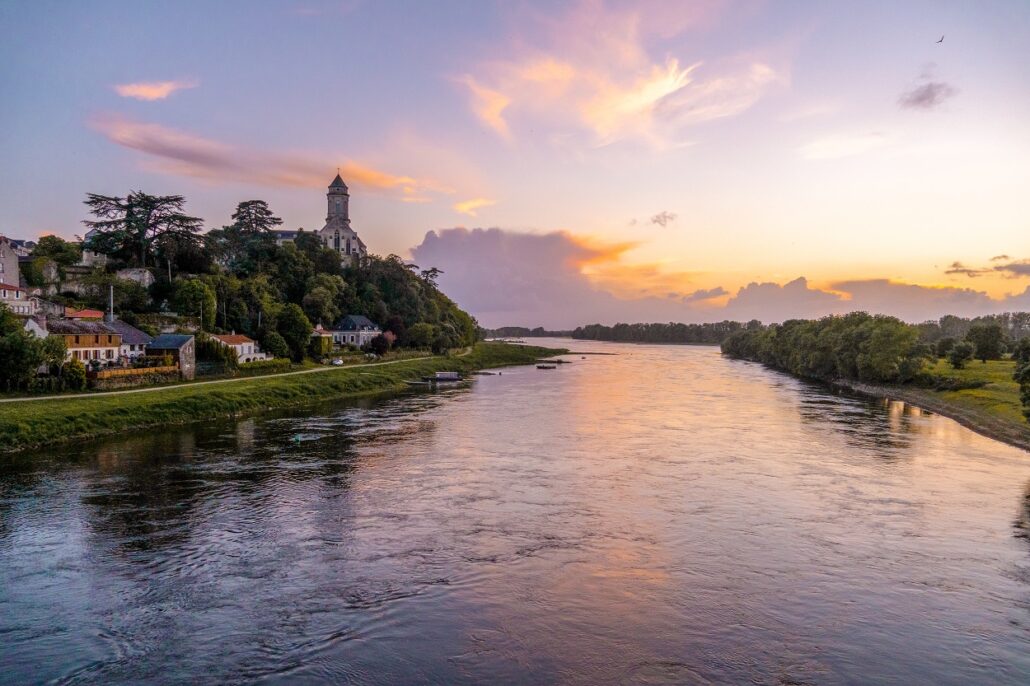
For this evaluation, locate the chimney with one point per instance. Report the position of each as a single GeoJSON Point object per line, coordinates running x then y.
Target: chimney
{"type": "Point", "coordinates": [110, 303]}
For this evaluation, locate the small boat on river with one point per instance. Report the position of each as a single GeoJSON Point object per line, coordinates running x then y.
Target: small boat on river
{"type": "Point", "coordinates": [547, 366]}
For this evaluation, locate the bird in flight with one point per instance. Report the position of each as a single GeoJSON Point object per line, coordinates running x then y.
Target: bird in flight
{"type": "Point", "coordinates": [942, 39]}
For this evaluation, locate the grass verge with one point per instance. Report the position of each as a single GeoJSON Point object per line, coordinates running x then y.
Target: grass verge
{"type": "Point", "coordinates": [992, 409]}
{"type": "Point", "coordinates": [26, 425]}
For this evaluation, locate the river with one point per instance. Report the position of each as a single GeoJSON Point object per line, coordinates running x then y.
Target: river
{"type": "Point", "coordinates": [661, 515]}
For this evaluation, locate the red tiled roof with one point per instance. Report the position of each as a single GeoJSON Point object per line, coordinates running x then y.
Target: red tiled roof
{"type": "Point", "coordinates": [232, 339]}
{"type": "Point", "coordinates": [72, 313]}
{"type": "Point", "coordinates": [10, 287]}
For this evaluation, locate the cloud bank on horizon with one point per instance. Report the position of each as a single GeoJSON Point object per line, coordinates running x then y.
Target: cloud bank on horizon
{"type": "Point", "coordinates": [511, 278]}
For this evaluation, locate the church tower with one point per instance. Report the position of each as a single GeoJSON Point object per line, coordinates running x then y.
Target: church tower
{"type": "Point", "coordinates": [338, 199]}
{"type": "Point", "coordinates": [337, 233]}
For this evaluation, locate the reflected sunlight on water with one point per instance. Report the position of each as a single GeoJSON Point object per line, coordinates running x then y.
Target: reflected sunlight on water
{"type": "Point", "coordinates": [662, 515]}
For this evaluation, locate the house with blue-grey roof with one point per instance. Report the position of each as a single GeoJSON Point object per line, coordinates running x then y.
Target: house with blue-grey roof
{"type": "Point", "coordinates": [182, 348]}
{"type": "Point", "coordinates": [354, 329]}
{"type": "Point", "coordinates": [134, 341]}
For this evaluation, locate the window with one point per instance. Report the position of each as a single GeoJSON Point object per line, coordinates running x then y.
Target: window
{"type": "Point", "coordinates": [76, 341]}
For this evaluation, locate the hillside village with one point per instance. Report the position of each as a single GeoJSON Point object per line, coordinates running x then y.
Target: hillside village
{"type": "Point", "coordinates": [147, 297]}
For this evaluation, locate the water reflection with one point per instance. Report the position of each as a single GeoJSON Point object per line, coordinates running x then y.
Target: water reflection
{"type": "Point", "coordinates": [660, 516]}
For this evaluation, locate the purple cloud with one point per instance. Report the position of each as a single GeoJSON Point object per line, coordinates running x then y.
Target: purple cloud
{"type": "Point", "coordinates": [926, 96]}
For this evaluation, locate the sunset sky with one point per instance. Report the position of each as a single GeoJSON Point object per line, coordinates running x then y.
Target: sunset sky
{"type": "Point", "coordinates": [625, 161]}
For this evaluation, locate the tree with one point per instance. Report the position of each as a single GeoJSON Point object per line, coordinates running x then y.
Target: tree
{"type": "Point", "coordinates": [294, 327]}
{"type": "Point", "coordinates": [320, 346]}
{"type": "Point", "coordinates": [1021, 353]}
{"type": "Point", "coordinates": [210, 350]}
{"type": "Point", "coordinates": [988, 341]}
{"type": "Point", "coordinates": [274, 344]}
{"type": "Point", "coordinates": [74, 375]}
{"type": "Point", "coordinates": [128, 295]}
{"type": "Point", "coordinates": [421, 335]}
{"type": "Point", "coordinates": [944, 345]}
{"type": "Point", "coordinates": [53, 351]}
{"type": "Point", "coordinates": [57, 249]}
{"type": "Point", "coordinates": [246, 244]}
{"type": "Point", "coordinates": [1022, 377]}
{"type": "Point", "coordinates": [132, 228]}
{"type": "Point", "coordinates": [960, 353]}
{"type": "Point", "coordinates": [395, 324]}
{"type": "Point", "coordinates": [379, 345]}
{"type": "Point", "coordinates": [192, 298]}
{"type": "Point", "coordinates": [21, 352]}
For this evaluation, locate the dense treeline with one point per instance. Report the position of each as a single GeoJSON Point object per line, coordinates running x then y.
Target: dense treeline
{"type": "Point", "coordinates": [857, 346]}
{"type": "Point", "coordinates": [1014, 325]}
{"type": "Point", "coordinates": [704, 334]}
{"type": "Point", "coordinates": [522, 332]}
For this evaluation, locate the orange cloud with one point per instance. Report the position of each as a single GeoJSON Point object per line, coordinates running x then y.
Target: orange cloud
{"type": "Point", "coordinates": [489, 105]}
{"type": "Point", "coordinates": [152, 90]}
{"type": "Point", "coordinates": [589, 70]}
{"type": "Point", "coordinates": [469, 207]}
{"type": "Point", "coordinates": [177, 152]}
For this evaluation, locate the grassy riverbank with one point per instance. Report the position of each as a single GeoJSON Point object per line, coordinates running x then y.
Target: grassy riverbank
{"type": "Point", "coordinates": [992, 409]}
{"type": "Point", "coordinates": [32, 424]}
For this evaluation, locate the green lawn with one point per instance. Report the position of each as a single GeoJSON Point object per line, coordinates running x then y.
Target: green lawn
{"type": "Point", "coordinates": [1000, 395]}
{"type": "Point", "coordinates": [34, 423]}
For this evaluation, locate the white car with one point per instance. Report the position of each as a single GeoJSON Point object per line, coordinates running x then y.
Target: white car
{"type": "Point", "coordinates": [337, 362]}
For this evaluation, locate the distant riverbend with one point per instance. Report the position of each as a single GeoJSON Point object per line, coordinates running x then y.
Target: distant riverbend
{"type": "Point", "coordinates": [664, 515]}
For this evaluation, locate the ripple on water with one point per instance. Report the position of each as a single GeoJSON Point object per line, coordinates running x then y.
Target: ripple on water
{"type": "Point", "coordinates": [659, 516]}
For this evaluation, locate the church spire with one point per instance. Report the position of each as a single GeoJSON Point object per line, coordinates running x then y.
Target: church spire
{"type": "Point", "coordinates": [338, 181]}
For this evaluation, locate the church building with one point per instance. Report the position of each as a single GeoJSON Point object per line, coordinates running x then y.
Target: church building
{"type": "Point", "coordinates": [337, 233]}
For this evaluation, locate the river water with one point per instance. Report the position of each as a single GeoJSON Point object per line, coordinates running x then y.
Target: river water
{"type": "Point", "coordinates": [662, 515]}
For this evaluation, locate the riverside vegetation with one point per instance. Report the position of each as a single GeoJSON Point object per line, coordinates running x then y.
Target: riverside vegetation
{"type": "Point", "coordinates": [233, 278]}
{"type": "Point", "coordinates": [880, 354]}
{"type": "Point", "coordinates": [29, 423]}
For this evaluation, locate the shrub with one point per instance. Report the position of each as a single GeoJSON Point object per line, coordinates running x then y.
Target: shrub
{"type": "Point", "coordinates": [274, 344]}
{"type": "Point", "coordinates": [379, 345]}
{"type": "Point", "coordinates": [944, 346]}
{"type": "Point", "coordinates": [1021, 353]}
{"type": "Point", "coordinates": [74, 374]}
{"type": "Point", "coordinates": [1022, 377]}
{"type": "Point", "coordinates": [960, 354]}
{"type": "Point", "coordinates": [265, 367]}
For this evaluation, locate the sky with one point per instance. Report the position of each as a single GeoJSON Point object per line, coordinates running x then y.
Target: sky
{"type": "Point", "coordinates": [562, 162]}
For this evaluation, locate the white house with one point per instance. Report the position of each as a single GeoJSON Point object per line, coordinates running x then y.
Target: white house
{"type": "Point", "coordinates": [247, 349]}
{"type": "Point", "coordinates": [17, 300]}
{"type": "Point", "coordinates": [356, 330]}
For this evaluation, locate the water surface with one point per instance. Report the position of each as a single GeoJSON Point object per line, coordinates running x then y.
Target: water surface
{"type": "Point", "coordinates": [663, 515]}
